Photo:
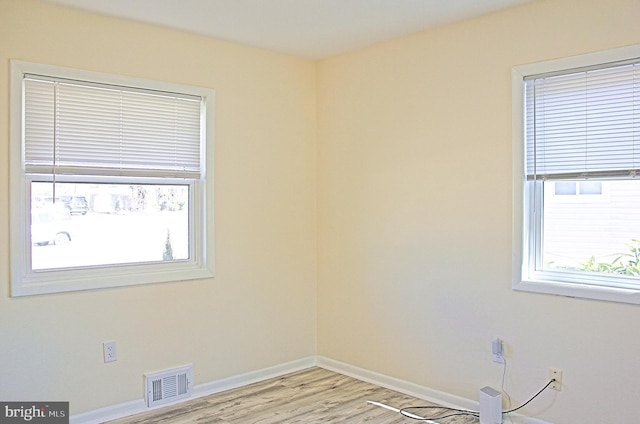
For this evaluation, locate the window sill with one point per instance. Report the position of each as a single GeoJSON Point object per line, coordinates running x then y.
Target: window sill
{"type": "Point", "coordinates": [576, 290]}
{"type": "Point", "coordinates": [111, 277]}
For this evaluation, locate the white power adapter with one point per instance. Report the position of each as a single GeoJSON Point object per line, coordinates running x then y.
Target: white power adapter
{"type": "Point", "coordinates": [490, 406]}
{"type": "Point", "coordinates": [498, 351]}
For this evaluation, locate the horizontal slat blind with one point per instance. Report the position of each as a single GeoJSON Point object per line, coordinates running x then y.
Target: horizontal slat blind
{"type": "Point", "coordinates": [585, 123]}
{"type": "Point", "coordinates": [91, 129]}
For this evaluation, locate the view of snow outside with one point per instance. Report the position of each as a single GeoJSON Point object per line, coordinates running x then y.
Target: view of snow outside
{"type": "Point", "coordinates": [86, 225]}
{"type": "Point", "coordinates": [584, 219]}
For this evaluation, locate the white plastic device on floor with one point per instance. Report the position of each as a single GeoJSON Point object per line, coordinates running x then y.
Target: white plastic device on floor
{"type": "Point", "coordinates": [490, 406]}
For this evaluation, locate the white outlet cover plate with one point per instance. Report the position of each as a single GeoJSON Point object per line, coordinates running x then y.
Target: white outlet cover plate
{"type": "Point", "coordinates": [110, 352]}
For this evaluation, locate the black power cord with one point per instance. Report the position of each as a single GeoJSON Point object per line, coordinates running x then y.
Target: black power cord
{"type": "Point", "coordinates": [534, 396]}
{"type": "Point", "coordinates": [453, 412]}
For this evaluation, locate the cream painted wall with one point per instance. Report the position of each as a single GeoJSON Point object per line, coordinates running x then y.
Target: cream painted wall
{"type": "Point", "coordinates": [259, 311]}
{"type": "Point", "coordinates": [413, 225]}
{"type": "Point", "coordinates": [415, 213]}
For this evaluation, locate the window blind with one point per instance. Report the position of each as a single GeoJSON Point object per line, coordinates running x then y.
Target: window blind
{"type": "Point", "coordinates": [84, 128]}
{"type": "Point", "coordinates": [584, 123]}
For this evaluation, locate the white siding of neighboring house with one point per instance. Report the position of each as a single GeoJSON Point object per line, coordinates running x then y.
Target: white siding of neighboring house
{"type": "Point", "coordinates": [583, 225]}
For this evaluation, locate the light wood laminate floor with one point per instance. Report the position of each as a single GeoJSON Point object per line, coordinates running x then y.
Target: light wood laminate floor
{"type": "Point", "coordinates": [314, 395]}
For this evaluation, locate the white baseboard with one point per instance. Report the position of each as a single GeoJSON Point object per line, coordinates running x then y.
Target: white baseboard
{"type": "Point", "coordinates": [421, 392]}
{"type": "Point", "coordinates": [412, 389]}
{"type": "Point", "coordinates": [113, 412]}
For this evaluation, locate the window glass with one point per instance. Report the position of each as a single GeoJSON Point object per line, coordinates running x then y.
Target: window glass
{"type": "Point", "coordinates": [563, 188]}
{"type": "Point", "coordinates": [590, 187]}
{"type": "Point", "coordinates": [87, 225]}
{"type": "Point", "coordinates": [592, 235]}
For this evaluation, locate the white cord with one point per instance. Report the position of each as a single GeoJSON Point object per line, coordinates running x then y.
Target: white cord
{"type": "Point", "coordinates": [408, 414]}
{"type": "Point", "coordinates": [504, 378]}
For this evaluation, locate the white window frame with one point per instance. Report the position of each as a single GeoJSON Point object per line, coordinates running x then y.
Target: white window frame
{"type": "Point", "coordinates": [26, 282]}
{"type": "Point", "coordinates": [524, 275]}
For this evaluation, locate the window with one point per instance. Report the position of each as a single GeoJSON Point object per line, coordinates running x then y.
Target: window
{"type": "Point", "coordinates": [111, 180]}
{"type": "Point", "coordinates": [577, 185]}
{"type": "Point", "coordinates": [577, 188]}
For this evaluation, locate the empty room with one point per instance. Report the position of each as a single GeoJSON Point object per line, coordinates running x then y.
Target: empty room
{"type": "Point", "coordinates": [319, 211]}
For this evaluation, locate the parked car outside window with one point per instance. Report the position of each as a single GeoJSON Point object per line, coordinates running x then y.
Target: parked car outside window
{"type": "Point", "coordinates": [76, 204]}
{"type": "Point", "coordinates": [51, 225]}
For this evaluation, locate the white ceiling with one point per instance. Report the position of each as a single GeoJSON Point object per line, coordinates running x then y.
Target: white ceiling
{"type": "Point", "coordinates": [312, 29]}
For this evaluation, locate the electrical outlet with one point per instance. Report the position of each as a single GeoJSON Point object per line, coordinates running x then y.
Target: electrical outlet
{"type": "Point", "coordinates": [110, 352]}
{"type": "Point", "coordinates": [555, 374]}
